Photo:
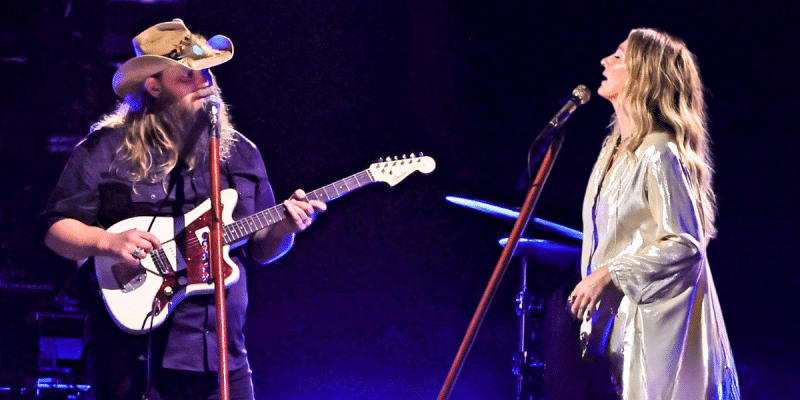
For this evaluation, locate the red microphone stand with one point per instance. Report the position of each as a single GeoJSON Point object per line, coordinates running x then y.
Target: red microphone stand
{"type": "Point", "coordinates": [215, 253]}
{"type": "Point", "coordinates": [556, 136]}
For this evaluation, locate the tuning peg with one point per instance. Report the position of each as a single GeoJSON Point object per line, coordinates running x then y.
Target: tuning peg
{"type": "Point", "coordinates": [380, 159]}
{"type": "Point", "coordinates": [420, 154]}
{"type": "Point", "coordinates": [404, 156]}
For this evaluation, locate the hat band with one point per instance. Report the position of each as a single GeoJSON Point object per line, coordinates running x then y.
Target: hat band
{"type": "Point", "coordinates": [175, 55]}
{"type": "Point", "coordinates": [181, 51]}
{"type": "Point", "coordinates": [192, 49]}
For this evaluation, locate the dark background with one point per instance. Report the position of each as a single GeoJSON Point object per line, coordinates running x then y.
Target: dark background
{"type": "Point", "coordinates": [373, 301]}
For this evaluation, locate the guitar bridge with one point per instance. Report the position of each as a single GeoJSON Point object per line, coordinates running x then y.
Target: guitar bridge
{"type": "Point", "coordinates": [161, 261]}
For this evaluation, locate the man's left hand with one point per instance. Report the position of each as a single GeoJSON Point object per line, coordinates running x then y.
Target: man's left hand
{"type": "Point", "coordinates": [302, 212]}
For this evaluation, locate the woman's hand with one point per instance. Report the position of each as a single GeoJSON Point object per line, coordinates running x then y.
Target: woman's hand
{"type": "Point", "coordinates": [587, 291]}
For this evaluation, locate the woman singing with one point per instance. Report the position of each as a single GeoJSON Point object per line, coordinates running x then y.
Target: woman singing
{"type": "Point", "coordinates": [647, 298]}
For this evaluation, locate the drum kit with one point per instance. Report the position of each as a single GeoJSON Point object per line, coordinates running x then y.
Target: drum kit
{"type": "Point", "coordinates": [562, 256]}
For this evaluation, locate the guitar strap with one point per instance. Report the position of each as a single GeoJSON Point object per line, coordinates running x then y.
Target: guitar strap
{"type": "Point", "coordinates": [606, 169]}
{"type": "Point", "coordinates": [178, 222]}
{"type": "Point", "coordinates": [596, 327]}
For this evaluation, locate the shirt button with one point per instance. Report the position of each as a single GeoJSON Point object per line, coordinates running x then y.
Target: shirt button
{"type": "Point", "coordinates": [152, 196]}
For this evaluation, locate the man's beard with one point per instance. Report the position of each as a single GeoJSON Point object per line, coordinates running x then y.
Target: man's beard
{"type": "Point", "coordinates": [185, 126]}
{"type": "Point", "coordinates": [179, 117]}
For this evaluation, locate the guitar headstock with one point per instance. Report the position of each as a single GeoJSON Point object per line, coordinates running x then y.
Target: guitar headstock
{"type": "Point", "coordinates": [392, 170]}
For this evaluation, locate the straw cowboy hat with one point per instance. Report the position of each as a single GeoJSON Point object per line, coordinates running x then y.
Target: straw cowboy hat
{"type": "Point", "coordinates": [164, 45]}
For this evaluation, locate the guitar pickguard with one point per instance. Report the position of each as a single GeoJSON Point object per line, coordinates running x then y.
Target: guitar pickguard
{"type": "Point", "coordinates": [194, 244]}
{"type": "Point", "coordinates": [140, 298]}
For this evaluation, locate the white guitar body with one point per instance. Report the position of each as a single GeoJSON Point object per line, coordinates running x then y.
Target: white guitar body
{"type": "Point", "coordinates": [140, 298]}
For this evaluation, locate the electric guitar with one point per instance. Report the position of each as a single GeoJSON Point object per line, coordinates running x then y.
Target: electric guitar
{"type": "Point", "coordinates": [596, 325]}
{"type": "Point", "coordinates": [140, 298]}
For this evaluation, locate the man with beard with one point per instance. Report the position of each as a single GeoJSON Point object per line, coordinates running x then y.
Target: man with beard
{"type": "Point", "coordinates": [149, 158]}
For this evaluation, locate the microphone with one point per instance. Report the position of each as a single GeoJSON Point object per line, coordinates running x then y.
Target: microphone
{"type": "Point", "coordinates": [580, 96]}
{"type": "Point", "coordinates": [211, 105]}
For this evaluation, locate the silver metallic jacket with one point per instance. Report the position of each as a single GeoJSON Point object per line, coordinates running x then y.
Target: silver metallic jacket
{"type": "Point", "coordinates": [661, 323]}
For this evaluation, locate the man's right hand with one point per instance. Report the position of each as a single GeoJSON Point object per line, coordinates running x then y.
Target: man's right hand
{"type": "Point", "coordinates": [132, 246]}
{"type": "Point", "coordinates": [75, 240]}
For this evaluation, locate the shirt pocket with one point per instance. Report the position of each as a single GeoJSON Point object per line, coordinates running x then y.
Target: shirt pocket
{"type": "Point", "coordinates": [119, 201]}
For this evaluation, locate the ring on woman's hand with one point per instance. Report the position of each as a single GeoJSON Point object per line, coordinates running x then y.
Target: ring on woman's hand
{"type": "Point", "coordinates": [571, 299]}
{"type": "Point", "coordinates": [137, 254]}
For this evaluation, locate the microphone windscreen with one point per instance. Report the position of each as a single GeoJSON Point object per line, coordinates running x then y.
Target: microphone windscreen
{"type": "Point", "coordinates": [211, 102]}
{"type": "Point", "coordinates": [582, 93]}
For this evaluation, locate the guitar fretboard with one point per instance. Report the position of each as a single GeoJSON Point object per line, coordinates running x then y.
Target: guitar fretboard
{"type": "Point", "coordinates": [245, 227]}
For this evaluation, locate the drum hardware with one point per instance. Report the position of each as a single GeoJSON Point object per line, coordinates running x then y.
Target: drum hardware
{"type": "Point", "coordinates": [527, 363]}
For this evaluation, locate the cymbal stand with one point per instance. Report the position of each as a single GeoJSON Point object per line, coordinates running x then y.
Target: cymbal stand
{"type": "Point", "coordinates": [502, 263]}
{"type": "Point", "coordinates": [526, 363]}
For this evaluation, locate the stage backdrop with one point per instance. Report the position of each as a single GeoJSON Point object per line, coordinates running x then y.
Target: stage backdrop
{"type": "Point", "coordinates": [373, 301]}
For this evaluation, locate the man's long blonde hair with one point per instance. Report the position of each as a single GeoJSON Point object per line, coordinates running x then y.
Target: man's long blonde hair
{"type": "Point", "coordinates": [152, 138]}
{"type": "Point", "coordinates": [664, 92]}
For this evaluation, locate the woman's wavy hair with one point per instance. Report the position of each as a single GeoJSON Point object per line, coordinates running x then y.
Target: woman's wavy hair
{"type": "Point", "coordinates": [151, 136]}
{"type": "Point", "coordinates": [664, 92]}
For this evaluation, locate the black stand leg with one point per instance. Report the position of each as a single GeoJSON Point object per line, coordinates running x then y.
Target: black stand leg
{"type": "Point", "coordinates": [527, 362]}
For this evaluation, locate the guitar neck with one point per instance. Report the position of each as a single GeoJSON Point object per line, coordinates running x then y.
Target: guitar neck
{"type": "Point", "coordinates": [245, 227]}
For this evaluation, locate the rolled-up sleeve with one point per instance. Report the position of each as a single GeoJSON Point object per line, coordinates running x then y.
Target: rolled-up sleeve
{"type": "Point", "coordinates": [75, 195]}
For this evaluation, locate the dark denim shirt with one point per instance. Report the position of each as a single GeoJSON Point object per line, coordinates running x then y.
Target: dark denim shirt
{"type": "Point", "coordinates": [93, 190]}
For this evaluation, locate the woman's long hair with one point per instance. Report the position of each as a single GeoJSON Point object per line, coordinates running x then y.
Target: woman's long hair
{"type": "Point", "coordinates": [153, 137]}
{"type": "Point", "coordinates": [664, 92]}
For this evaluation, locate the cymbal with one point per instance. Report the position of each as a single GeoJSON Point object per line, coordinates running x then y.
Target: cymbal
{"type": "Point", "coordinates": [508, 213]}
{"type": "Point", "coordinates": [547, 252]}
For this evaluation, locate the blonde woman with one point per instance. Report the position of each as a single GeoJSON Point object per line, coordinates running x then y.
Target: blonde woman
{"type": "Point", "coordinates": [647, 298]}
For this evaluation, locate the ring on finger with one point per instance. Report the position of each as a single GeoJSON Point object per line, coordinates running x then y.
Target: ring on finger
{"type": "Point", "coordinates": [570, 299]}
{"type": "Point", "coordinates": [138, 253]}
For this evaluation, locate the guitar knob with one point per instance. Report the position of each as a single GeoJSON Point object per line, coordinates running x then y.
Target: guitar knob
{"type": "Point", "coordinates": [404, 157]}
{"type": "Point", "coordinates": [420, 154]}
{"type": "Point", "coordinates": [380, 159]}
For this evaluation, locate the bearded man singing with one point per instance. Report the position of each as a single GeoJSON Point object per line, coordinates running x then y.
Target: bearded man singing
{"type": "Point", "coordinates": [149, 158]}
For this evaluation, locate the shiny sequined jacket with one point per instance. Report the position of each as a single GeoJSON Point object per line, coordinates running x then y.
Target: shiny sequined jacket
{"type": "Point", "coordinates": [660, 323]}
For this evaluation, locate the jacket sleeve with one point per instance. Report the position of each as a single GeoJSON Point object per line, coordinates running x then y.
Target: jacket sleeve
{"type": "Point", "coordinates": [667, 255]}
